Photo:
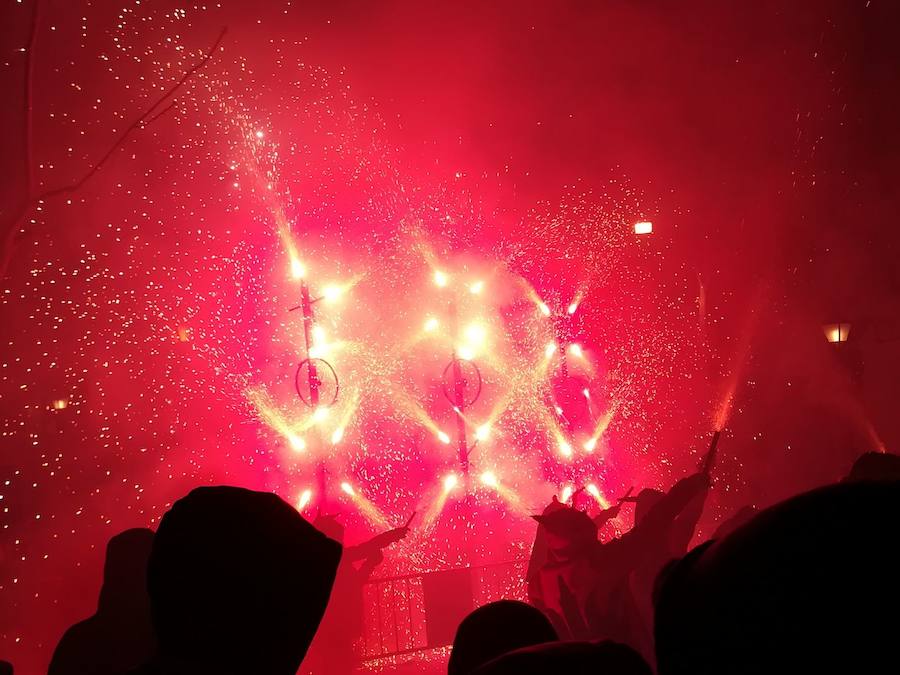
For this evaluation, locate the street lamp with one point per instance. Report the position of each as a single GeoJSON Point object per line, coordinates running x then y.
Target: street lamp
{"type": "Point", "coordinates": [836, 332]}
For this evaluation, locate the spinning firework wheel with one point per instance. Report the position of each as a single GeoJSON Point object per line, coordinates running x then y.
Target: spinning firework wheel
{"type": "Point", "coordinates": [461, 382]}
{"type": "Point", "coordinates": [316, 382]}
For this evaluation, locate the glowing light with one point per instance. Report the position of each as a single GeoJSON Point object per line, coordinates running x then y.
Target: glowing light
{"type": "Point", "coordinates": [566, 494]}
{"type": "Point", "coordinates": [550, 350]}
{"type": "Point", "coordinates": [559, 411]}
{"type": "Point", "coordinates": [440, 278]}
{"type": "Point", "coordinates": [296, 442]}
{"type": "Point", "coordinates": [489, 479]}
{"type": "Point", "coordinates": [321, 413]}
{"type": "Point", "coordinates": [476, 334]}
{"type": "Point", "coordinates": [450, 481]}
{"type": "Point", "coordinates": [586, 392]}
{"type": "Point", "coordinates": [184, 334]}
{"type": "Point", "coordinates": [476, 287]}
{"type": "Point", "coordinates": [259, 133]}
{"type": "Point", "coordinates": [572, 308]}
{"type": "Point", "coordinates": [483, 432]}
{"type": "Point", "coordinates": [565, 448]}
{"type": "Point", "coordinates": [305, 499]}
{"type": "Point", "coordinates": [298, 270]}
{"type": "Point", "coordinates": [836, 332]}
{"type": "Point", "coordinates": [465, 352]}
{"type": "Point", "coordinates": [59, 404]}
{"type": "Point", "coordinates": [443, 437]}
{"type": "Point", "coordinates": [575, 350]}
{"type": "Point", "coordinates": [346, 488]}
{"type": "Point", "coordinates": [601, 427]}
{"type": "Point", "coordinates": [594, 492]}
{"type": "Point", "coordinates": [332, 292]}
{"type": "Point", "coordinates": [318, 334]}
{"type": "Point", "coordinates": [337, 435]}
{"type": "Point", "coordinates": [431, 324]}
{"type": "Point", "coordinates": [544, 309]}
{"type": "Point", "coordinates": [643, 227]}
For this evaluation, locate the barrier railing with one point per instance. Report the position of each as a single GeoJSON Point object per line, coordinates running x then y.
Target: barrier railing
{"type": "Point", "coordinates": [416, 612]}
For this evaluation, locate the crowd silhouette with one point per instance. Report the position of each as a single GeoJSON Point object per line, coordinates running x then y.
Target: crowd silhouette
{"type": "Point", "coordinates": [235, 581]}
{"type": "Point", "coordinates": [119, 636]}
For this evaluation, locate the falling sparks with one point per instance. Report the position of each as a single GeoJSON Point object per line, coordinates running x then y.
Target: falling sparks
{"type": "Point", "coordinates": [305, 499]}
{"type": "Point", "coordinates": [450, 482]}
{"type": "Point", "coordinates": [483, 432]}
{"type": "Point", "coordinates": [298, 270]}
{"type": "Point", "coordinates": [161, 351]}
{"type": "Point", "coordinates": [489, 479]}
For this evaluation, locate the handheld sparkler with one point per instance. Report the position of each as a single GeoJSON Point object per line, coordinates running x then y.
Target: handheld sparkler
{"type": "Point", "coordinates": [709, 460]}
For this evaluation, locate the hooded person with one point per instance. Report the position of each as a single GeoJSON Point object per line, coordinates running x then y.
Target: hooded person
{"type": "Point", "coordinates": [119, 635]}
{"type": "Point", "coordinates": [809, 585]}
{"type": "Point", "coordinates": [238, 583]}
{"type": "Point", "coordinates": [561, 586]}
{"type": "Point", "coordinates": [539, 550]}
{"type": "Point", "coordinates": [603, 590]}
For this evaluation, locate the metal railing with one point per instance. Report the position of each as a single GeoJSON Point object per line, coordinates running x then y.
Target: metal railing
{"type": "Point", "coordinates": [395, 619]}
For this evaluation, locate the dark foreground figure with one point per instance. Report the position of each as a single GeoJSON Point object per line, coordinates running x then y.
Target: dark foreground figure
{"type": "Point", "coordinates": [810, 585]}
{"type": "Point", "coordinates": [495, 629]}
{"type": "Point", "coordinates": [119, 636]}
{"type": "Point", "coordinates": [238, 583]}
{"type": "Point", "coordinates": [571, 658]}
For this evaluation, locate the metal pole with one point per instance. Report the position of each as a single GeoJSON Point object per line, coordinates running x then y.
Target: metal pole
{"type": "Point", "coordinates": [459, 392]}
{"type": "Point", "coordinates": [312, 372]}
{"type": "Point", "coordinates": [314, 382]}
{"type": "Point", "coordinates": [459, 398]}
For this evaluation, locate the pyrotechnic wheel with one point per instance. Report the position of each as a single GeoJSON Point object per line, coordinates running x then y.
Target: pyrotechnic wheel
{"type": "Point", "coordinates": [316, 377]}
{"type": "Point", "coordinates": [470, 380]}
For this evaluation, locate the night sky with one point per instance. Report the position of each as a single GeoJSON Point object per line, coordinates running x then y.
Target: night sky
{"type": "Point", "coordinates": [507, 144]}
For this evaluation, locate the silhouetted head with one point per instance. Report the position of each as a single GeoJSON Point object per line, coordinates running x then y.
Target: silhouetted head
{"type": "Point", "coordinates": [124, 588]}
{"type": "Point", "coordinates": [238, 582]}
{"type": "Point", "coordinates": [805, 586]}
{"type": "Point", "coordinates": [6, 668]}
{"type": "Point", "coordinates": [495, 629]}
{"type": "Point", "coordinates": [875, 466]}
{"type": "Point", "coordinates": [646, 500]}
{"type": "Point", "coordinates": [571, 658]}
{"type": "Point", "coordinates": [567, 531]}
